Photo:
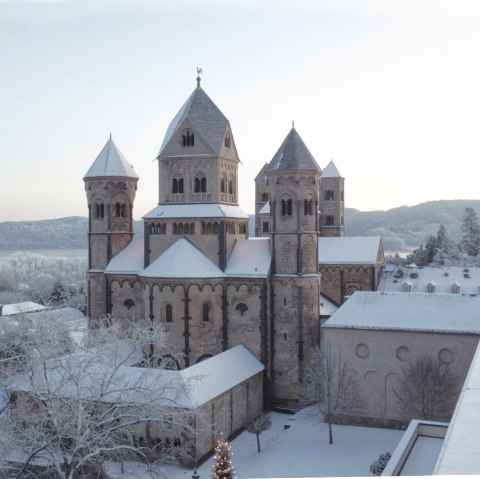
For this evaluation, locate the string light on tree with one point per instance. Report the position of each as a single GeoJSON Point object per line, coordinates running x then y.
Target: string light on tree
{"type": "Point", "coordinates": [222, 468]}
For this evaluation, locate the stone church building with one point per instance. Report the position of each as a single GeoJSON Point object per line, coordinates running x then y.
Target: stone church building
{"type": "Point", "coordinates": [197, 271]}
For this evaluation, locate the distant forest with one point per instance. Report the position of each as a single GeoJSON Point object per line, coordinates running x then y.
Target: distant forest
{"type": "Point", "coordinates": [401, 229]}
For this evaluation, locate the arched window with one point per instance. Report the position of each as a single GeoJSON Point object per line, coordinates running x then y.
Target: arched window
{"type": "Point", "coordinates": [286, 206]}
{"type": "Point", "coordinates": [188, 138]}
{"type": "Point", "coordinates": [406, 287]}
{"type": "Point", "coordinates": [329, 195]}
{"type": "Point", "coordinates": [99, 210]}
{"type": "Point", "coordinates": [205, 312]}
{"type": "Point", "coordinates": [159, 230]}
{"type": "Point", "coordinates": [196, 185]}
{"type": "Point", "coordinates": [180, 229]}
{"type": "Point", "coordinates": [180, 185]}
{"type": "Point", "coordinates": [228, 142]}
{"type": "Point", "coordinates": [175, 185]}
{"type": "Point", "coordinates": [223, 185]}
{"type": "Point", "coordinates": [431, 287]}
{"type": "Point", "coordinates": [152, 229]}
{"type": "Point", "coordinates": [330, 220]}
{"type": "Point", "coordinates": [230, 187]}
{"type": "Point", "coordinates": [308, 207]}
{"type": "Point", "coordinates": [175, 230]}
{"type": "Point", "coordinates": [192, 228]}
{"type": "Point", "coordinates": [265, 227]}
{"type": "Point", "coordinates": [164, 228]}
{"type": "Point", "coordinates": [119, 210]}
{"type": "Point", "coordinates": [203, 185]}
{"type": "Point", "coordinates": [455, 288]}
{"type": "Point", "coordinates": [264, 196]}
{"type": "Point", "coordinates": [202, 228]}
{"type": "Point", "coordinates": [168, 313]}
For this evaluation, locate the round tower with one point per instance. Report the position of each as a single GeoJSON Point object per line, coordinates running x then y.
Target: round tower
{"type": "Point", "coordinates": [110, 184]}
{"type": "Point", "coordinates": [293, 179]}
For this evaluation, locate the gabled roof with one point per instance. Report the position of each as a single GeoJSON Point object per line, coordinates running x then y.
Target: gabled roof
{"type": "Point", "coordinates": [261, 174]}
{"type": "Point", "coordinates": [195, 210]}
{"type": "Point", "coordinates": [293, 154]}
{"type": "Point", "coordinates": [250, 258]}
{"type": "Point", "coordinates": [129, 260]}
{"type": "Point", "coordinates": [205, 118]}
{"type": "Point", "coordinates": [183, 260]}
{"type": "Point", "coordinates": [110, 162]}
{"type": "Point", "coordinates": [452, 313]}
{"type": "Point", "coordinates": [331, 171]}
{"type": "Point", "coordinates": [349, 250]}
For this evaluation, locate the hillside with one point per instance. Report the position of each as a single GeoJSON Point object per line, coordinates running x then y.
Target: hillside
{"type": "Point", "coordinates": [402, 229]}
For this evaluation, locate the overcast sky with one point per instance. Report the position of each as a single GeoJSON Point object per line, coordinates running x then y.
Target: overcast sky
{"type": "Point", "coordinates": [389, 89]}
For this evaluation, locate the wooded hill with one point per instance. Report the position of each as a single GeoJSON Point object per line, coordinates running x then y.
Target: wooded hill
{"type": "Point", "coordinates": [401, 229]}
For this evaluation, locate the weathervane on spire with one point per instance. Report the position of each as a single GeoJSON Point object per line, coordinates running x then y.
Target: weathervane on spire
{"type": "Point", "coordinates": [199, 72]}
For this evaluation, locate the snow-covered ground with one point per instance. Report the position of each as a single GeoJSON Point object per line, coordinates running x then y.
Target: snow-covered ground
{"type": "Point", "coordinates": [300, 451]}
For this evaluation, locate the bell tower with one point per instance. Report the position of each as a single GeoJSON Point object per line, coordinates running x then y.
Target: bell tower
{"type": "Point", "coordinates": [110, 184]}
{"type": "Point", "coordinates": [332, 202]}
{"type": "Point", "coordinates": [293, 182]}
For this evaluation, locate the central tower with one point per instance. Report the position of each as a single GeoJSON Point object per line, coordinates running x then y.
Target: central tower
{"type": "Point", "coordinates": [293, 182]}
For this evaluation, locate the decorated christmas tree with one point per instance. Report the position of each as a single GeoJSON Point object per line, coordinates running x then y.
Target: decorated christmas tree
{"type": "Point", "coordinates": [223, 469]}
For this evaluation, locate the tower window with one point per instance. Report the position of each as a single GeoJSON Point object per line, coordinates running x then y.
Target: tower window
{"type": "Point", "coordinates": [223, 185]}
{"type": "Point", "coordinates": [119, 210]}
{"type": "Point", "coordinates": [265, 227]}
{"type": "Point", "coordinates": [329, 195]}
{"type": "Point", "coordinates": [168, 313]}
{"type": "Point", "coordinates": [330, 220]}
{"type": "Point", "coordinates": [177, 185]}
{"type": "Point", "coordinates": [230, 187]}
{"type": "Point", "coordinates": [308, 207]}
{"type": "Point", "coordinates": [200, 184]}
{"type": "Point", "coordinates": [228, 141]}
{"type": "Point", "coordinates": [99, 210]}
{"type": "Point", "coordinates": [286, 206]}
{"type": "Point", "coordinates": [264, 196]}
{"type": "Point", "coordinates": [188, 138]}
{"type": "Point", "coordinates": [205, 312]}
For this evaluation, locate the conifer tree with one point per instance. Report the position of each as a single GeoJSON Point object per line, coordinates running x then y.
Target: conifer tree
{"type": "Point", "coordinates": [471, 232]}
{"type": "Point", "coordinates": [222, 468]}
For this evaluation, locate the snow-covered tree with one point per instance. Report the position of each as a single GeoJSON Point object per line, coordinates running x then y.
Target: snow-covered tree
{"type": "Point", "coordinates": [222, 467]}
{"type": "Point", "coordinates": [332, 384]}
{"type": "Point", "coordinates": [471, 232]}
{"type": "Point", "coordinates": [74, 412]}
{"type": "Point", "coordinates": [427, 389]}
{"type": "Point", "coordinates": [379, 465]}
{"type": "Point", "coordinates": [257, 426]}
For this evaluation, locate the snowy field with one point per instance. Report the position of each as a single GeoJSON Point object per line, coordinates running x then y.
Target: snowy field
{"type": "Point", "coordinates": [300, 451]}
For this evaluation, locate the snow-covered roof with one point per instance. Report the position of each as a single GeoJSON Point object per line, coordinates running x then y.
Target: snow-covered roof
{"type": "Point", "coordinates": [265, 210]}
{"type": "Point", "coordinates": [195, 210]}
{"type": "Point", "coordinates": [331, 171]}
{"type": "Point", "coordinates": [188, 388]}
{"type": "Point", "coordinates": [130, 260]}
{"type": "Point", "coordinates": [182, 260]}
{"type": "Point", "coordinates": [205, 118]}
{"type": "Point", "coordinates": [250, 258]}
{"type": "Point", "coordinates": [326, 307]}
{"type": "Point", "coordinates": [110, 163]}
{"type": "Point", "coordinates": [459, 454]}
{"type": "Point", "coordinates": [349, 250]}
{"type": "Point", "coordinates": [214, 376]}
{"type": "Point", "coordinates": [293, 154]}
{"type": "Point", "coordinates": [21, 308]}
{"type": "Point", "coordinates": [444, 278]}
{"type": "Point", "coordinates": [452, 313]}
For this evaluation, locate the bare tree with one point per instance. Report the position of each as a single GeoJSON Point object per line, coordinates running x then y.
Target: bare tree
{"type": "Point", "coordinates": [332, 385]}
{"type": "Point", "coordinates": [427, 389]}
{"type": "Point", "coordinates": [76, 411]}
{"type": "Point", "coordinates": [257, 426]}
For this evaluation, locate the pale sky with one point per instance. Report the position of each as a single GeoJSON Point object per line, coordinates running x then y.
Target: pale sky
{"type": "Point", "coordinates": [389, 89]}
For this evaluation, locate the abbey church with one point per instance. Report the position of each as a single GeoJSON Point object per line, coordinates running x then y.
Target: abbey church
{"type": "Point", "coordinates": [197, 271]}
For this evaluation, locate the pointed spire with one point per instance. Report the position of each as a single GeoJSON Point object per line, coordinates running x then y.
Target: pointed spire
{"type": "Point", "coordinates": [110, 163]}
{"type": "Point", "coordinates": [293, 154]}
{"type": "Point", "coordinates": [331, 171]}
